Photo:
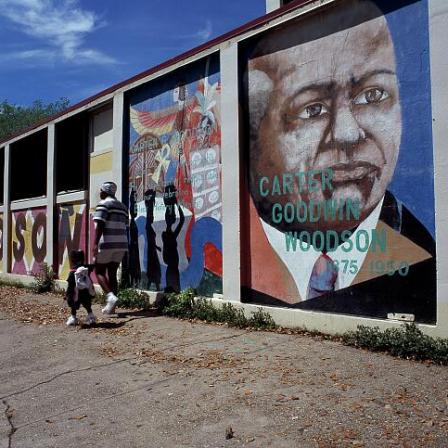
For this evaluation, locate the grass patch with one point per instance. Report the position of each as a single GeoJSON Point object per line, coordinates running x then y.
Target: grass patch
{"type": "Point", "coordinates": [185, 306]}
{"type": "Point", "coordinates": [407, 342]}
{"type": "Point", "coordinates": [132, 298]}
{"type": "Point", "coordinates": [16, 284]}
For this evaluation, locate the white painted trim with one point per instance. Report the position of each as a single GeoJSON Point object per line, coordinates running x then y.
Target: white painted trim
{"type": "Point", "coordinates": [24, 204]}
{"type": "Point", "coordinates": [230, 173]}
{"type": "Point", "coordinates": [99, 152]}
{"type": "Point", "coordinates": [75, 196]}
{"type": "Point", "coordinates": [300, 11]}
{"type": "Point", "coordinates": [438, 23]}
{"type": "Point", "coordinates": [88, 106]}
{"type": "Point", "coordinates": [117, 155]}
{"type": "Point", "coordinates": [26, 280]}
{"type": "Point", "coordinates": [27, 134]}
{"type": "Point", "coordinates": [6, 212]}
{"type": "Point", "coordinates": [91, 107]}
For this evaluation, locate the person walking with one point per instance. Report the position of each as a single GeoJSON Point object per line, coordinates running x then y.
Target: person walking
{"type": "Point", "coordinates": [111, 242]}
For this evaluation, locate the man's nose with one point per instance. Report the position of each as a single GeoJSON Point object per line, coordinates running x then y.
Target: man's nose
{"type": "Point", "coordinates": [345, 127]}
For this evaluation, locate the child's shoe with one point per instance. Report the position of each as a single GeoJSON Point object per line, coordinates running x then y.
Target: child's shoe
{"type": "Point", "coordinates": [72, 320]}
{"type": "Point", "coordinates": [91, 319]}
{"type": "Point", "coordinates": [111, 300]}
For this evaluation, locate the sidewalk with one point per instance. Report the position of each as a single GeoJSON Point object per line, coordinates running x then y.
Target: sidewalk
{"type": "Point", "coordinates": [141, 380]}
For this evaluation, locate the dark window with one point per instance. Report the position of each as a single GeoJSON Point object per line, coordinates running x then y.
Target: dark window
{"type": "Point", "coordinates": [2, 172]}
{"type": "Point", "coordinates": [29, 166]}
{"type": "Point", "coordinates": [71, 153]}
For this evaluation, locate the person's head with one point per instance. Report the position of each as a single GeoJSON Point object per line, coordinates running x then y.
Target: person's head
{"type": "Point", "coordinates": [323, 95]}
{"type": "Point", "coordinates": [108, 189]}
{"type": "Point", "coordinates": [77, 258]}
{"type": "Point", "coordinates": [170, 215]}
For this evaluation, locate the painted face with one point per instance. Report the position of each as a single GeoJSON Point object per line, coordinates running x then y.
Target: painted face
{"type": "Point", "coordinates": [333, 105]}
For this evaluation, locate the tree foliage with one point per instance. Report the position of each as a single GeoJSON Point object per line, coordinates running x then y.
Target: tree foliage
{"type": "Point", "coordinates": [15, 118]}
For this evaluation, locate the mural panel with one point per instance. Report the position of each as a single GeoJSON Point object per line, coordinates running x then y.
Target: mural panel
{"type": "Point", "coordinates": [72, 226]}
{"type": "Point", "coordinates": [175, 182]}
{"type": "Point", "coordinates": [339, 192]}
{"type": "Point", "coordinates": [28, 233]}
{"type": "Point", "coordinates": [1, 243]}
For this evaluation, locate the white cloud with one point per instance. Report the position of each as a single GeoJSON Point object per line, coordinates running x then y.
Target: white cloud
{"type": "Point", "coordinates": [206, 32]}
{"type": "Point", "coordinates": [202, 34]}
{"type": "Point", "coordinates": [61, 25]}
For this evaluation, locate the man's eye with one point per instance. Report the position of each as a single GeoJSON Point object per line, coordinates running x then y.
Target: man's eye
{"type": "Point", "coordinates": [313, 110]}
{"type": "Point", "coordinates": [371, 96]}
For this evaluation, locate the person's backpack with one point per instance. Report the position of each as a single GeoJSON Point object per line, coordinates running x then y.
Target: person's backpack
{"type": "Point", "coordinates": [83, 280]}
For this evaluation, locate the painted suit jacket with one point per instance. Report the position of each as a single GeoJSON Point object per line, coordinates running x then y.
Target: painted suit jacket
{"type": "Point", "coordinates": [266, 279]}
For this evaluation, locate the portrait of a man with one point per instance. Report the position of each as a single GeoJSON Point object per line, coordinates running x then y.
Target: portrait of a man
{"type": "Point", "coordinates": [324, 137]}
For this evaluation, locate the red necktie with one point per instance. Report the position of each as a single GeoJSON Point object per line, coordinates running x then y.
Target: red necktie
{"type": "Point", "coordinates": [323, 277]}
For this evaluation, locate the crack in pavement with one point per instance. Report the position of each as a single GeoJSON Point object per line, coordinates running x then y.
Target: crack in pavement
{"type": "Point", "coordinates": [144, 387]}
{"type": "Point", "coordinates": [67, 372]}
{"type": "Point", "coordinates": [119, 394]}
{"type": "Point", "coordinates": [8, 414]}
{"type": "Point", "coordinates": [204, 341]}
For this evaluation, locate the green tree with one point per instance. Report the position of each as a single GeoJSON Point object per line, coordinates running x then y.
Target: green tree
{"type": "Point", "coordinates": [15, 118]}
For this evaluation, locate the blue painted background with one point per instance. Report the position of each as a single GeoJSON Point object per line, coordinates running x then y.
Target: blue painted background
{"type": "Point", "coordinates": [413, 179]}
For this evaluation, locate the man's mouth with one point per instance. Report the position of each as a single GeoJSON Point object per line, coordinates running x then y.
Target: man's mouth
{"type": "Point", "coordinates": [352, 172]}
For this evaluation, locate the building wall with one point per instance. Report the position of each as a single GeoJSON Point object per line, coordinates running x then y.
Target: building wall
{"type": "Point", "coordinates": [28, 240]}
{"type": "Point", "coordinates": [320, 126]}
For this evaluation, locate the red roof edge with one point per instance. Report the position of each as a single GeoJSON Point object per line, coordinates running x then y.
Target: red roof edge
{"type": "Point", "coordinates": [217, 40]}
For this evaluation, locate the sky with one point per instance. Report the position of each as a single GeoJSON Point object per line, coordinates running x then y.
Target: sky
{"type": "Point", "coordinates": [75, 48]}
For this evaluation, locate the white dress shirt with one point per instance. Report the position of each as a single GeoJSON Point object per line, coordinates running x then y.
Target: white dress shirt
{"type": "Point", "coordinates": [300, 263]}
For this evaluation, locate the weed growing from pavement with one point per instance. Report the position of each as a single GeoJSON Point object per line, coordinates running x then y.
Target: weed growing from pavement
{"type": "Point", "coordinates": [44, 280]}
{"type": "Point", "coordinates": [185, 306]}
{"type": "Point", "coordinates": [133, 298]}
{"type": "Point", "coordinates": [407, 342]}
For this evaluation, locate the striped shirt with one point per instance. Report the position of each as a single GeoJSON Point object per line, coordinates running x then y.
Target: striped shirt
{"type": "Point", "coordinates": [115, 216]}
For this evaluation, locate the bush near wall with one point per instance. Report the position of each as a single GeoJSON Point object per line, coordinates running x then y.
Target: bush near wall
{"type": "Point", "coordinates": [407, 342]}
{"type": "Point", "coordinates": [133, 298]}
{"type": "Point", "coordinates": [185, 306]}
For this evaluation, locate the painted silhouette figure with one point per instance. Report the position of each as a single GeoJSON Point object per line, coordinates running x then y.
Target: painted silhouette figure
{"type": "Point", "coordinates": [153, 263]}
{"type": "Point", "coordinates": [169, 238]}
{"type": "Point", "coordinates": [134, 257]}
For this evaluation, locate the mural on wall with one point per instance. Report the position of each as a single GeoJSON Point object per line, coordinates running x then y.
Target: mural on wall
{"type": "Point", "coordinates": [72, 225]}
{"type": "Point", "coordinates": [28, 233]}
{"type": "Point", "coordinates": [340, 201]}
{"type": "Point", "coordinates": [175, 182]}
{"type": "Point", "coordinates": [1, 243]}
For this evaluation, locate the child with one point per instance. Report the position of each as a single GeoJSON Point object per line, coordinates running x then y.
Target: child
{"type": "Point", "coordinates": [80, 288]}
